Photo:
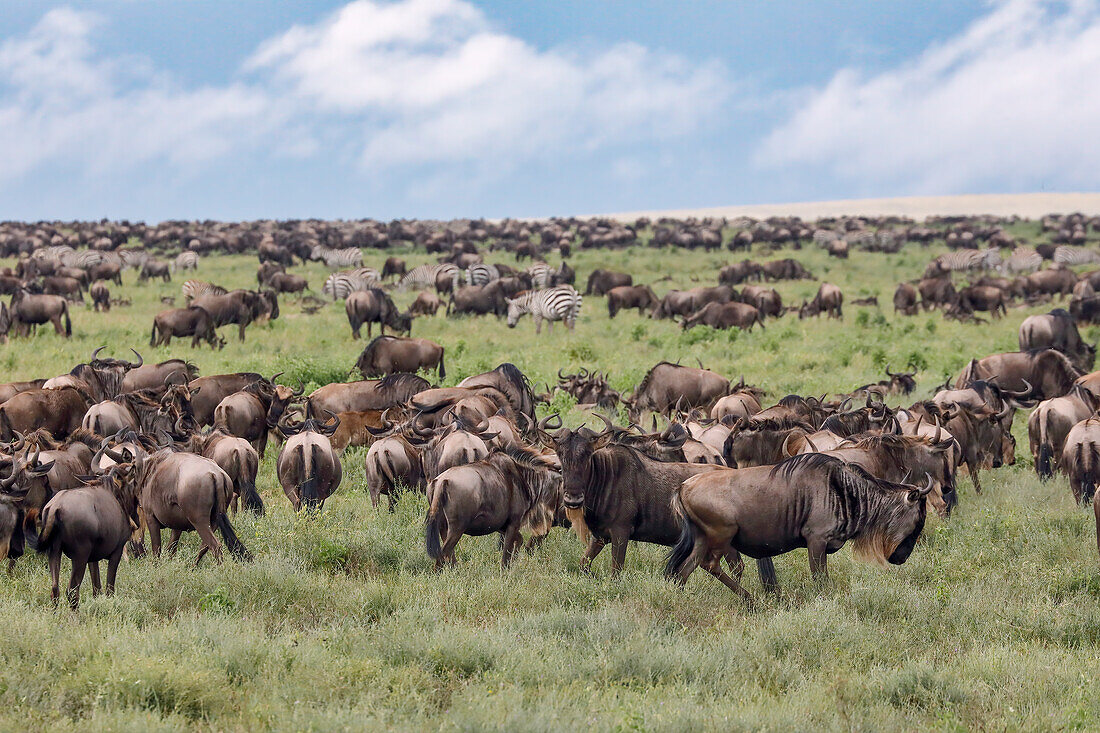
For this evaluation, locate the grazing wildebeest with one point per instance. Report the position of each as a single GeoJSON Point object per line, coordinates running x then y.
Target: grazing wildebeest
{"type": "Point", "coordinates": [813, 501]}
{"type": "Point", "coordinates": [1055, 281]}
{"type": "Point", "coordinates": [240, 307]}
{"type": "Point", "coordinates": [390, 354]}
{"type": "Point", "coordinates": [284, 282]}
{"type": "Point", "coordinates": [785, 269]}
{"type": "Point", "coordinates": [685, 302]}
{"type": "Point", "coordinates": [982, 298]}
{"type": "Point", "coordinates": [426, 304]}
{"type": "Point", "coordinates": [393, 266]}
{"type": "Point", "coordinates": [11, 389]}
{"type": "Point", "coordinates": [615, 493]}
{"type": "Point", "coordinates": [181, 322]}
{"type": "Point", "coordinates": [667, 385]}
{"type": "Point", "coordinates": [1057, 330]}
{"type": "Point", "coordinates": [101, 296]}
{"type": "Point", "coordinates": [1080, 461]}
{"type": "Point", "coordinates": [308, 467]}
{"type": "Point", "coordinates": [353, 430]}
{"type": "Point", "coordinates": [106, 271]}
{"type": "Point", "coordinates": [67, 287]}
{"type": "Point", "coordinates": [905, 299]}
{"type": "Point", "coordinates": [1050, 423]}
{"type": "Point", "coordinates": [374, 306]}
{"type": "Point", "coordinates": [937, 291]}
{"type": "Point", "coordinates": [766, 300]}
{"type": "Point", "coordinates": [828, 300]}
{"type": "Point", "coordinates": [153, 268]}
{"type": "Point", "coordinates": [624, 297]}
{"type": "Point", "coordinates": [89, 524]}
{"type": "Point", "coordinates": [503, 493]}
{"type": "Point", "coordinates": [739, 272]}
{"type": "Point", "coordinates": [479, 300]}
{"type": "Point", "coordinates": [29, 309]}
{"type": "Point", "coordinates": [725, 315]}
{"type": "Point", "coordinates": [601, 282]}
{"type": "Point", "coordinates": [184, 492]}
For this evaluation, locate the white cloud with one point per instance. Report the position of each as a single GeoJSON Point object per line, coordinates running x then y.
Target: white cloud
{"type": "Point", "coordinates": [1010, 103]}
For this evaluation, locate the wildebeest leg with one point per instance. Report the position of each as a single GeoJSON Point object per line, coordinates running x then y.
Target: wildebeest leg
{"type": "Point", "coordinates": [93, 571]}
{"type": "Point", "coordinates": [447, 554]}
{"type": "Point", "coordinates": [737, 565]}
{"type": "Point", "coordinates": [55, 573]}
{"type": "Point", "coordinates": [209, 542]}
{"type": "Point", "coordinates": [594, 547]}
{"type": "Point", "coordinates": [154, 534]}
{"type": "Point", "coordinates": [174, 541]}
{"type": "Point", "coordinates": [77, 577]}
{"type": "Point", "coordinates": [974, 478]}
{"type": "Point", "coordinates": [112, 571]}
{"type": "Point", "coordinates": [618, 553]}
{"type": "Point", "coordinates": [512, 539]}
{"type": "Point", "coordinates": [713, 565]}
{"type": "Point", "coordinates": [818, 560]}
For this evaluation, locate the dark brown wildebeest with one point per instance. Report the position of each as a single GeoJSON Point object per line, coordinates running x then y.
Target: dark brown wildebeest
{"type": "Point", "coordinates": [266, 271]}
{"type": "Point", "coordinates": [184, 492]}
{"type": "Point", "coordinates": [982, 298]}
{"type": "Point", "coordinates": [59, 411]}
{"type": "Point", "coordinates": [67, 287]}
{"type": "Point", "coordinates": [905, 299]}
{"type": "Point", "coordinates": [271, 252]}
{"type": "Point", "coordinates": [725, 315]}
{"type": "Point", "coordinates": [374, 306]}
{"type": "Point", "coordinates": [813, 501]}
{"type": "Point", "coordinates": [9, 390]}
{"type": "Point", "coordinates": [89, 524]}
{"type": "Point", "coordinates": [1050, 423]}
{"type": "Point", "coordinates": [213, 389]}
{"type": "Point", "coordinates": [1045, 373]}
{"type": "Point", "coordinates": [982, 439]}
{"type": "Point", "coordinates": [240, 307]}
{"type": "Point", "coordinates": [159, 376]}
{"type": "Point", "coordinates": [479, 300]}
{"type": "Point", "coordinates": [615, 493]}
{"type": "Point", "coordinates": [393, 461]}
{"type": "Point", "coordinates": [370, 394]}
{"type": "Point", "coordinates": [106, 271]}
{"type": "Point", "coordinates": [896, 383]}
{"type": "Point", "coordinates": [308, 468]}
{"type": "Point", "coordinates": [503, 493]}
{"type": "Point", "coordinates": [686, 302]}
{"type": "Point", "coordinates": [29, 309]}
{"type": "Point", "coordinates": [508, 380]}
{"type": "Point", "coordinates": [1057, 330]}
{"type": "Point", "coordinates": [10, 285]}
{"type": "Point", "coordinates": [937, 291]}
{"type": "Point", "coordinates": [786, 269]}
{"type": "Point", "coordinates": [75, 273]}
{"type": "Point", "coordinates": [426, 304]}
{"type": "Point", "coordinates": [1080, 461]}
{"type": "Point", "coordinates": [285, 282]}
{"type": "Point", "coordinates": [393, 266]}
{"type": "Point", "coordinates": [739, 272]}
{"type": "Point", "coordinates": [766, 300]}
{"type": "Point", "coordinates": [667, 386]}
{"type": "Point", "coordinates": [763, 442]}
{"type": "Point", "coordinates": [101, 296]}
{"type": "Point", "coordinates": [602, 281]}
{"type": "Point", "coordinates": [154, 268]}
{"type": "Point", "coordinates": [182, 322]}
{"type": "Point", "coordinates": [1055, 281]}
{"type": "Point", "coordinates": [250, 412]}
{"type": "Point", "coordinates": [828, 300]}
{"type": "Point", "coordinates": [391, 354]}
{"type": "Point", "coordinates": [100, 379]}
{"type": "Point", "coordinates": [641, 297]}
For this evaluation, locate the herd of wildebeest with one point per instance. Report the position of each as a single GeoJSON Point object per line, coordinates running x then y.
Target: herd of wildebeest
{"type": "Point", "coordinates": [93, 460]}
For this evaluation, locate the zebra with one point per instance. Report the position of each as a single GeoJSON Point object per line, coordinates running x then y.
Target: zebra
{"type": "Point", "coordinates": [967, 259]}
{"type": "Point", "coordinates": [424, 276]}
{"type": "Point", "coordinates": [133, 258]}
{"type": "Point", "coordinates": [541, 275]}
{"type": "Point", "coordinates": [1022, 259]}
{"type": "Point", "coordinates": [1071, 256]}
{"type": "Point", "coordinates": [346, 257]}
{"type": "Point", "coordinates": [197, 288]}
{"type": "Point", "coordinates": [561, 303]}
{"type": "Point", "coordinates": [186, 261]}
{"type": "Point", "coordinates": [481, 274]}
{"type": "Point", "coordinates": [342, 284]}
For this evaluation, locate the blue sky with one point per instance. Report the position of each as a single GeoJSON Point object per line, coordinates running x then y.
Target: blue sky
{"type": "Point", "coordinates": [148, 109]}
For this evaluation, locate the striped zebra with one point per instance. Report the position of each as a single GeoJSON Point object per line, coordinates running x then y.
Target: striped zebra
{"type": "Point", "coordinates": [90, 258]}
{"type": "Point", "coordinates": [481, 274]}
{"type": "Point", "coordinates": [197, 288]}
{"type": "Point", "coordinates": [342, 284]}
{"type": "Point", "coordinates": [134, 259]}
{"type": "Point", "coordinates": [541, 274]}
{"type": "Point", "coordinates": [187, 260]}
{"type": "Point", "coordinates": [967, 259]}
{"type": "Point", "coordinates": [425, 276]}
{"type": "Point", "coordinates": [1022, 259]}
{"type": "Point", "coordinates": [561, 303]}
{"type": "Point", "coordinates": [346, 257]}
{"type": "Point", "coordinates": [1071, 256]}
{"type": "Point", "coordinates": [824, 237]}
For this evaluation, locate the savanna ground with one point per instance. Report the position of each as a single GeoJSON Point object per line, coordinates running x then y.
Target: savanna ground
{"type": "Point", "coordinates": [340, 622]}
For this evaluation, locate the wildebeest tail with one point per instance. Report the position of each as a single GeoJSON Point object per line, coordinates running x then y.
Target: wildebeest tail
{"type": "Point", "coordinates": [310, 491]}
{"type": "Point", "coordinates": [250, 497]}
{"type": "Point", "coordinates": [442, 369]}
{"type": "Point", "coordinates": [683, 548]}
{"type": "Point", "coordinates": [1086, 464]}
{"type": "Point", "coordinates": [49, 524]}
{"type": "Point", "coordinates": [232, 542]}
{"type": "Point", "coordinates": [766, 567]}
{"type": "Point", "coordinates": [68, 323]}
{"type": "Point", "coordinates": [1042, 465]}
{"type": "Point", "coordinates": [153, 335]}
{"type": "Point", "coordinates": [434, 520]}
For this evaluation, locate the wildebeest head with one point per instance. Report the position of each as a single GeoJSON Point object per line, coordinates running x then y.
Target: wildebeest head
{"type": "Point", "coordinates": [104, 375]}
{"type": "Point", "coordinates": [901, 512]}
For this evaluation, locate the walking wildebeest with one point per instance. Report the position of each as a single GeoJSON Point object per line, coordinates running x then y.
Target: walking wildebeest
{"type": "Point", "coordinates": [1057, 330]}
{"type": "Point", "coordinates": [28, 310]}
{"type": "Point", "coordinates": [180, 322]}
{"type": "Point", "coordinates": [390, 354]}
{"type": "Point", "coordinates": [374, 306]}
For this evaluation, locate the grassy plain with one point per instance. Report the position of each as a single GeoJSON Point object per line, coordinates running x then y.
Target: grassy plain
{"type": "Point", "coordinates": [340, 623]}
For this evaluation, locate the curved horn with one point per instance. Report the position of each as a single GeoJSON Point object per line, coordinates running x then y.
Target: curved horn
{"type": "Point", "coordinates": [275, 376]}
{"type": "Point", "coordinates": [888, 372]}
{"type": "Point", "coordinates": [95, 354]}
{"type": "Point", "coordinates": [544, 424]}
{"type": "Point", "coordinates": [809, 443]}
{"type": "Point", "coordinates": [1025, 393]}
{"type": "Point", "coordinates": [927, 487]}
{"type": "Point", "coordinates": [783, 448]}
{"type": "Point", "coordinates": [561, 378]}
{"type": "Point", "coordinates": [8, 482]}
{"type": "Point", "coordinates": [939, 432]}
{"type": "Point", "coordinates": [140, 360]}
{"type": "Point", "coordinates": [610, 427]}
{"type": "Point", "coordinates": [20, 445]}
{"type": "Point", "coordinates": [114, 455]}
{"type": "Point", "coordinates": [301, 389]}
{"type": "Point", "coordinates": [332, 423]}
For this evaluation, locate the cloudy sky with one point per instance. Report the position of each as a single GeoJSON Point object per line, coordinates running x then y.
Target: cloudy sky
{"type": "Point", "coordinates": [154, 109]}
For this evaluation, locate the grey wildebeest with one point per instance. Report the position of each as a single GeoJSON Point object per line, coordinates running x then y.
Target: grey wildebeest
{"type": "Point", "coordinates": [615, 493]}
{"type": "Point", "coordinates": [1080, 461]}
{"type": "Point", "coordinates": [1044, 373]}
{"type": "Point", "coordinates": [369, 394]}
{"type": "Point", "coordinates": [667, 386]}
{"type": "Point", "coordinates": [1057, 330]}
{"type": "Point", "coordinates": [238, 459]}
{"type": "Point", "coordinates": [937, 291]}
{"type": "Point", "coordinates": [725, 315]}
{"type": "Point", "coordinates": [685, 302]}
{"type": "Point", "coordinates": [392, 461]}
{"type": "Point", "coordinates": [31, 310]}
{"type": "Point", "coordinates": [504, 493]}
{"type": "Point", "coordinates": [308, 467]}
{"type": "Point", "coordinates": [426, 304]}
{"type": "Point", "coordinates": [192, 321]}
{"type": "Point", "coordinates": [374, 306]}
{"type": "Point", "coordinates": [905, 299]}
{"type": "Point", "coordinates": [828, 300]}
{"type": "Point", "coordinates": [215, 388]}
{"type": "Point", "coordinates": [625, 297]}
{"type": "Point", "coordinates": [159, 376]}
{"type": "Point", "coordinates": [813, 501]}
{"type": "Point", "coordinates": [601, 282]}
{"type": "Point", "coordinates": [250, 412]}
{"type": "Point", "coordinates": [101, 296]}
{"type": "Point", "coordinates": [1050, 423]}
{"type": "Point", "coordinates": [89, 524]}
{"type": "Point", "coordinates": [389, 354]}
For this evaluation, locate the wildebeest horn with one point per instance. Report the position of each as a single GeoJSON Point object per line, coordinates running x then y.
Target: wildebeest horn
{"type": "Point", "coordinates": [561, 377]}
{"type": "Point", "coordinates": [544, 424]}
{"type": "Point", "coordinates": [888, 372]}
{"type": "Point", "coordinates": [301, 389]}
{"type": "Point", "coordinates": [1025, 393]}
{"type": "Point", "coordinates": [610, 427]}
{"type": "Point", "coordinates": [95, 354]}
{"type": "Point", "coordinates": [1004, 413]}
{"type": "Point", "coordinates": [939, 432]}
{"type": "Point", "coordinates": [845, 405]}
{"type": "Point", "coordinates": [275, 376]}
{"type": "Point", "coordinates": [140, 360]}
{"type": "Point", "coordinates": [8, 482]}
{"type": "Point", "coordinates": [20, 444]}
{"type": "Point", "coordinates": [334, 419]}
{"type": "Point", "coordinates": [808, 442]}
{"type": "Point", "coordinates": [916, 428]}
{"type": "Point", "coordinates": [927, 487]}
{"type": "Point", "coordinates": [783, 448]}
{"type": "Point", "coordinates": [114, 455]}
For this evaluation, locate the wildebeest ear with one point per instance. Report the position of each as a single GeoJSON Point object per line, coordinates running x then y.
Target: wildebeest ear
{"type": "Point", "coordinates": [87, 478]}
{"type": "Point", "coordinates": [195, 391]}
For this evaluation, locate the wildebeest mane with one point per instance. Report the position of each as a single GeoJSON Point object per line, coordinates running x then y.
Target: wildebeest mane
{"type": "Point", "coordinates": [644, 384]}
{"type": "Point", "coordinates": [779, 423]}
{"type": "Point", "coordinates": [401, 379]}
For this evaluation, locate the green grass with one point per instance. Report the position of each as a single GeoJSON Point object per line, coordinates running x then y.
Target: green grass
{"type": "Point", "coordinates": [341, 624]}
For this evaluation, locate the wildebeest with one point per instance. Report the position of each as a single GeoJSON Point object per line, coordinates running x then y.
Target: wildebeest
{"type": "Point", "coordinates": [426, 304]}
{"type": "Point", "coordinates": [602, 281]}
{"type": "Point", "coordinates": [1057, 330]}
{"type": "Point", "coordinates": [390, 354]}
{"type": "Point", "coordinates": [1050, 423]}
{"type": "Point", "coordinates": [101, 296]}
{"type": "Point", "coordinates": [392, 461]}
{"type": "Point", "coordinates": [502, 493]}
{"type": "Point", "coordinates": [667, 385]}
{"type": "Point", "coordinates": [766, 300]}
{"type": "Point", "coordinates": [828, 300]}
{"type": "Point", "coordinates": [370, 394]}
{"type": "Point", "coordinates": [208, 392]}
{"type": "Point", "coordinates": [686, 302]}
{"type": "Point", "coordinates": [393, 266]}
{"type": "Point", "coordinates": [374, 306]}
{"type": "Point", "coordinates": [153, 268]}
{"type": "Point", "coordinates": [981, 298]}
{"type": "Point", "coordinates": [31, 310]}
{"type": "Point", "coordinates": [725, 315]}
{"type": "Point", "coordinates": [785, 269]}
{"type": "Point", "coordinates": [508, 380]}
{"type": "Point", "coordinates": [1044, 373]}
{"type": "Point", "coordinates": [240, 307]}
{"type": "Point", "coordinates": [1055, 281]}
{"type": "Point", "coordinates": [250, 412]}
{"type": "Point", "coordinates": [641, 297]}
{"type": "Point", "coordinates": [739, 272]}
{"type": "Point", "coordinates": [762, 441]}
{"type": "Point", "coordinates": [1080, 461]}
{"type": "Point", "coordinates": [937, 291]}
{"type": "Point", "coordinates": [192, 321]}
{"type": "Point", "coordinates": [58, 410]}
{"type": "Point", "coordinates": [309, 469]}
{"type": "Point", "coordinates": [87, 525]}
{"type": "Point", "coordinates": [159, 376]}
{"type": "Point", "coordinates": [285, 282]}
{"type": "Point", "coordinates": [67, 287]}
{"type": "Point", "coordinates": [742, 401]}
{"type": "Point", "coordinates": [813, 501]}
